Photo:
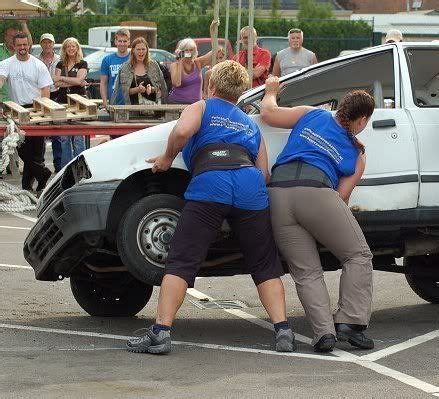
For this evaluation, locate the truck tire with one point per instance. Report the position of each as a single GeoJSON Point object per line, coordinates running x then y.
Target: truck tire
{"type": "Point", "coordinates": [144, 235]}
{"type": "Point", "coordinates": [110, 297]}
{"type": "Point", "coordinates": [425, 288]}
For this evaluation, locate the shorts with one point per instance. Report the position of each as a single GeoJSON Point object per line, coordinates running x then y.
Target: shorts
{"type": "Point", "coordinates": [198, 227]}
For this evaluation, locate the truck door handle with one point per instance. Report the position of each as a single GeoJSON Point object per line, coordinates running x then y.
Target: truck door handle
{"type": "Point", "coordinates": [383, 123]}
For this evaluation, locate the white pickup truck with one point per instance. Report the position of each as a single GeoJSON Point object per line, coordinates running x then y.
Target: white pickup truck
{"type": "Point", "coordinates": [106, 221]}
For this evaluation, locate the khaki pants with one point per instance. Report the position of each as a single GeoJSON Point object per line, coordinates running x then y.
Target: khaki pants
{"type": "Point", "coordinates": [300, 217]}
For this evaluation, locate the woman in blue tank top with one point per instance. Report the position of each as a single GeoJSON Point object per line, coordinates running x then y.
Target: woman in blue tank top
{"type": "Point", "coordinates": [225, 153]}
{"type": "Point", "coordinates": [309, 190]}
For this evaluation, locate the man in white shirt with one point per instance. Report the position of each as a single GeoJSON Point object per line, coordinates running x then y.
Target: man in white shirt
{"type": "Point", "coordinates": [28, 78]}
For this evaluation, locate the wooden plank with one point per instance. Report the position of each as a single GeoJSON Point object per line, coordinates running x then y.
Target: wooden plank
{"type": "Point", "coordinates": [15, 111]}
{"type": "Point", "coordinates": [77, 103]}
{"type": "Point", "coordinates": [49, 107]}
{"type": "Point", "coordinates": [69, 117]}
{"type": "Point", "coordinates": [161, 107]}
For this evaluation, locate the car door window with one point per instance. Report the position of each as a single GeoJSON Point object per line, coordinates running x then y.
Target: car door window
{"type": "Point", "coordinates": [329, 84]}
{"type": "Point", "coordinates": [325, 85]}
{"type": "Point", "coordinates": [424, 75]}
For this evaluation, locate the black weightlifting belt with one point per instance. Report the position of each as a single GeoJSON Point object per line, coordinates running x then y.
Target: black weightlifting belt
{"type": "Point", "coordinates": [220, 156]}
{"type": "Point", "coordinates": [299, 174]}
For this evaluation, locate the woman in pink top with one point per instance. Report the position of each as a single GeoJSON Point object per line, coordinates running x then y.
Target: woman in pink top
{"type": "Point", "coordinates": [186, 76]}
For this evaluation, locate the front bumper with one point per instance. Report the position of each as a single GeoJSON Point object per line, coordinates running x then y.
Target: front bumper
{"type": "Point", "coordinates": [69, 229]}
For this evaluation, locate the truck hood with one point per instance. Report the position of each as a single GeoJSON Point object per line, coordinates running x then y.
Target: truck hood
{"type": "Point", "coordinates": [120, 158]}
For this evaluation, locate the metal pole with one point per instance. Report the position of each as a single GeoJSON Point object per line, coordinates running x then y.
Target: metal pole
{"type": "Point", "coordinates": [251, 37]}
{"type": "Point", "coordinates": [215, 32]}
{"type": "Point", "coordinates": [226, 34]}
{"type": "Point", "coordinates": [238, 33]}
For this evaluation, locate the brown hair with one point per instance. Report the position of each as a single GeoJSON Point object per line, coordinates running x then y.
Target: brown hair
{"type": "Point", "coordinates": [139, 40]}
{"type": "Point", "coordinates": [355, 104]}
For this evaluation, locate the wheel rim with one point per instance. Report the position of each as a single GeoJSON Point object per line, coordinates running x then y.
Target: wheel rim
{"type": "Point", "coordinates": [154, 234]}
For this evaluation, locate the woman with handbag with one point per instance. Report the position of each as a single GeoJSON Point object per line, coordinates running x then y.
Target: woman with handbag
{"type": "Point", "coordinates": [70, 74]}
{"type": "Point", "coordinates": [140, 78]}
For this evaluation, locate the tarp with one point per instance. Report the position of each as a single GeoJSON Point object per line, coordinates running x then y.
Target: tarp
{"type": "Point", "coordinates": [19, 7]}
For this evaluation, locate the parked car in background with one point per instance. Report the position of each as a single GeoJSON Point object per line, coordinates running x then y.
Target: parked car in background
{"type": "Point", "coordinates": [94, 62]}
{"type": "Point", "coordinates": [274, 44]}
{"type": "Point", "coordinates": [86, 49]}
{"type": "Point", "coordinates": [204, 45]}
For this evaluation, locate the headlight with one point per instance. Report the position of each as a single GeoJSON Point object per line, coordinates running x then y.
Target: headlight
{"type": "Point", "coordinates": [80, 169]}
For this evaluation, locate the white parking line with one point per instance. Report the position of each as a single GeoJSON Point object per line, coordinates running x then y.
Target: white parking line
{"type": "Point", "coordinates": [25, 217]}
{"type": "Point", "coordinates": [401, 377]}
{"type": "Point", "coordinates": [15, 266]}
{"type": "Point", "coordinates": [267, 325]}
{"type": "Point", "coordinates": [15, 228]}
{"type": "Point", "coordinates": [183, 343]}
{"type": "Point", "coordinates": [401, 346]}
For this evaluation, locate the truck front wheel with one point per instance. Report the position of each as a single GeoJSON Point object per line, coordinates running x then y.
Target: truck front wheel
{"type": "Point", "coordinates": [425, 287]}
{"type": "Point", "coordinates": [144, 235]}
{"type": "Point", "coordinates": [115, 295]}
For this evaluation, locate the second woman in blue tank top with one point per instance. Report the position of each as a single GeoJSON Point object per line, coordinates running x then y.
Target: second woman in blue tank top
{"type": "Point", "coordinates": [312, 181]}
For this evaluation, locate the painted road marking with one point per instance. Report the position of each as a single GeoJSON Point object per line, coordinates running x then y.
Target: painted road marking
{"type": "Point", "coordinates": [265, 324]}
{"type": "Point", "coordinates": [401, 346]}
{"type": "Point", "coordinates": [15, 228]}
{"type": "Point", "coordinates": [25, 217]}
{"type": "Point", "coordinates": [15, 266]}
{"type": "Point", "coordinates": [183, 343]}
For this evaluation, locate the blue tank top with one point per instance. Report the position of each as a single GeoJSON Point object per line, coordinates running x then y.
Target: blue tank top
{"type": "Point", "coordinates": [317, 139]}
{"type": "Point", "coordinates": [244, 188]}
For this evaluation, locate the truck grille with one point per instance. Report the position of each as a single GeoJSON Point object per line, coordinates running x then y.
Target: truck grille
{"type": "Point", "coordinates": [48, 237]}
{"type": "Point", "coordinates": [51, 195]}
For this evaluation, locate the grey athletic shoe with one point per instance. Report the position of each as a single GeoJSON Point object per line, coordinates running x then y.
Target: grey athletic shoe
{"type": "Point", "coordinates": [285, 341]}
{"type": "Point", "coordinates": [150, 342]}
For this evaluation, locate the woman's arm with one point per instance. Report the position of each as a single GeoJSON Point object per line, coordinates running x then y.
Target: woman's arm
{"type": "Point", "coordinates": [262, 160]}
{"type": "Point", "coordinates": [79, 80]}
{"type": "Point", "coordinates": [176, 69]}
{"type": "Point", "coordinates": [206, 59]}
{"type": "Point", "coordinates": [274, 115]}
{"type": "Point", "coordinates": [348, 183]}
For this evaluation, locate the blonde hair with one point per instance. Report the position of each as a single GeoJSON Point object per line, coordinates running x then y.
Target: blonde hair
{"type": "Point", "coordinates": [64, 56]}
{"type": "Point", "coordinates": [139, 40]}
{"type": "Point", "coordinates": [245, 29]}
{"type": "Point", "coordinates": [230, 79]}
{"type": "Point", "coordinates": [188, 42]}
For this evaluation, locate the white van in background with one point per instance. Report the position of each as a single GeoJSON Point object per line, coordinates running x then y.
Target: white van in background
{"type": "Point", "coordinates": [103, 36]}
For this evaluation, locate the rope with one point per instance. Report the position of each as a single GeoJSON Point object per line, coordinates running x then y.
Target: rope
{"type": "Point", "coordinates": [13, 139]}
{"type": "Point", "coordinates": [13, 199]}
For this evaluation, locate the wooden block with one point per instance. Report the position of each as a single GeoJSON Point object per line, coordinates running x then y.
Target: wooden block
{"type": "Point", "coordinates": [120, 115]}
{"type": "Point", "coordinates": [15, 111]}
{"type": "Point", "coordinates": [77, 103]}
{"type": "Point", "coordinates": [50, 108]}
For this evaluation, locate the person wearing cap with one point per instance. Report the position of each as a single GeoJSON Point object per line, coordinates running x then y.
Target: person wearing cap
{"type": "Point", "coordinates": [50, 59]}
{"type": "Point", "coordinates": [294, 57]}
{"type": "Point", "coordinates": [393, 36]}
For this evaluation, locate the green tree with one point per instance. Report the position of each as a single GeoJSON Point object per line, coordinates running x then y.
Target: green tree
{"type": "Point", "coordinates": [309, 9]}
{"type": "Point", "coordinates": [275, 7]}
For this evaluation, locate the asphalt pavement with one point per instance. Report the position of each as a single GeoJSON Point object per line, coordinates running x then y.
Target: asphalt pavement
{"type": "Point", "coordinates": [50, 348]}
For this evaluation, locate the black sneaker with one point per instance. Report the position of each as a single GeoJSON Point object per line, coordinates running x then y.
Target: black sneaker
{"type": "Point", "coordinates": [150, 342]}
{"type": "Point", "coordinates": [353, 333]}
{"type": "Point", "coordinates": [325, 344]}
